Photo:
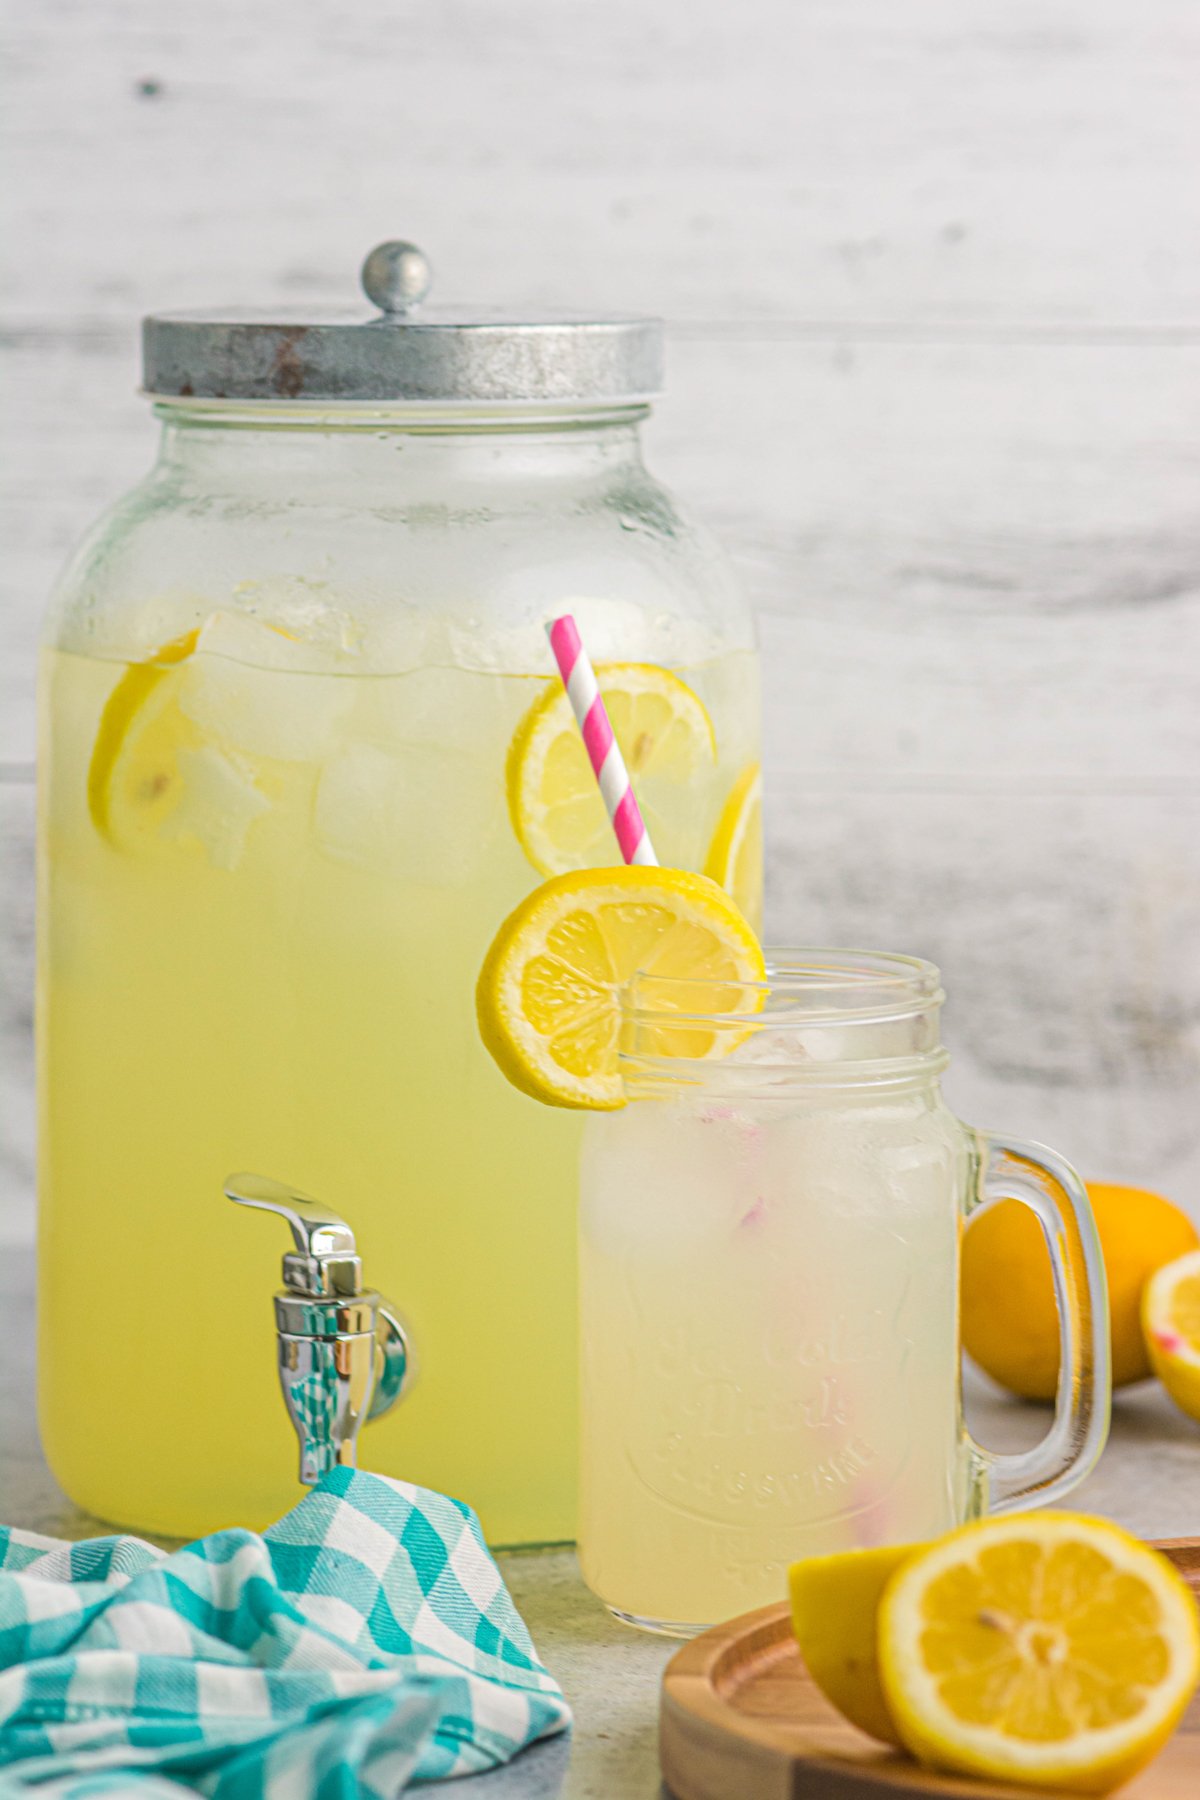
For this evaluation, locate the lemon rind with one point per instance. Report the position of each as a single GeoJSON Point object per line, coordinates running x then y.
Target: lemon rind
{"type": "Point", "coordinates": [745, 793]}
{"type": "Point", "coordinates": [821, 1603]}
{"type": "Point", "coordinates": [720, 865]}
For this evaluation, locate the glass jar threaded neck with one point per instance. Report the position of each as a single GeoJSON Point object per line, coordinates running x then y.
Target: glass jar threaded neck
{"type": "Point", "coordinates": [821, 1019]}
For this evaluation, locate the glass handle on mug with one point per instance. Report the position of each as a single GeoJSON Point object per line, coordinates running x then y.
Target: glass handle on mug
{"type": "Point", "coordinates": [1050, 1188]}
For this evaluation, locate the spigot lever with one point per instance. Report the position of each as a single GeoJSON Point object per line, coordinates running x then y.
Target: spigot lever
{"type": "Point", "coordinates": [316, 1230]}
{"type": "Point", "coordinates": [325, 1260]}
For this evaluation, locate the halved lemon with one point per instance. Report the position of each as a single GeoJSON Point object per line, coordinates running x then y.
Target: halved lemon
{"type": "Point", "coordinates": [835, 1611]}
{"type": "Point", "coordinates": [1171, 1325]}
{"type": "Point", "coordinates": [668, 742]}
{"type": "Point", "coordinates": [134, 779]}
{"type": "Point", "coordinates": [547, 995]}
{"type": "Point", "coordinates": [735, 856]}
{"type": "Point", "coordinates": [1050, 1650]}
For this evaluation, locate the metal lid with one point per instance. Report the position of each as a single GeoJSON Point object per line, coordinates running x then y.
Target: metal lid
{"type": "Point", "coordinates": [407, 352]}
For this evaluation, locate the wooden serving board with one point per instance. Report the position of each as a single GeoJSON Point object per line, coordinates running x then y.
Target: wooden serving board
{"type": "Point", "coordinates": [741, 1720]}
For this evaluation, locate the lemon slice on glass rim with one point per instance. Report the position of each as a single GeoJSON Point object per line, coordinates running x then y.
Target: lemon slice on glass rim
{"type": "Point", "coordinates": [667, 740]}
{"type": "Point", "coordinates": [1049, 1649]}
{"type": "Point", "coordinates": [548, 995]}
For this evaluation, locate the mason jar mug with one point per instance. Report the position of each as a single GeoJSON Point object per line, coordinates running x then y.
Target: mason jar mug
{"type": "Point", "coordinates": [769, 1253]}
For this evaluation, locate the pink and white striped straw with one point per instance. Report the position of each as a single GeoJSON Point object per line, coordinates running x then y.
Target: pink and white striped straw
{"type": "Point", "coordinates": [604, 753]}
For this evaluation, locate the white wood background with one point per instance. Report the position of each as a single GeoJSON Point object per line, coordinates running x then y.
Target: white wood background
{"type": "Point", "coordinates": [933, 276]}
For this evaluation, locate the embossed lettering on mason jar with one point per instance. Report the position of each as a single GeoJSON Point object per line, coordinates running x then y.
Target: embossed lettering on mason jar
{"type": "Point", "coordinates": [787, 1431]}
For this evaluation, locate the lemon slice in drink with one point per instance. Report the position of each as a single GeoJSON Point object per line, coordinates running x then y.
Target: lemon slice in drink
{"type": "Point", "coordinates": [667, 740]}
{"type": "Point", "coordinates": [134, 778]}
{"type": "Point", "coordinates": [156, 780]}
{"type": "Point", "coordinates": [547, 996]}
{"type": "Point", "coordinates": [735, 856]}
{"type": "Point", "coordinates": [1052, 1650]}
{"type": "Point", "coordinates": [1171, 1324]}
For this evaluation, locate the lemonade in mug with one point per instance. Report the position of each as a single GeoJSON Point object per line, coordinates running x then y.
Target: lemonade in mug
{"type": "Point", "coordinates": [769, 1237]}
{"type": "Point", "coordinates": [302, 749]}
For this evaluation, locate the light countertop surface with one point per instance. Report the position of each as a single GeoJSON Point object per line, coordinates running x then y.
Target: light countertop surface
{"type": "Point", "coordinates": [1148, 1480]}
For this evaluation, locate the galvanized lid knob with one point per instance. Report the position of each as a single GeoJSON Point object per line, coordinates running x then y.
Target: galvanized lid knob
{"type": "Point", "coordinates": [396, 277]}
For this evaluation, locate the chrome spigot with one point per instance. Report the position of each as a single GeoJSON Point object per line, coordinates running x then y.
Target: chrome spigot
{"type": "Point", "coordinates": [343, 1353]}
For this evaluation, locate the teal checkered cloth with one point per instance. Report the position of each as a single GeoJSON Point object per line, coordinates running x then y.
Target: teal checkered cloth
{"type": "Point", "coordinates": [364, 1642]}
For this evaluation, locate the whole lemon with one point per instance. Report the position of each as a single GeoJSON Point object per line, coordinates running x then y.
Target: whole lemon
{"type": "Point", "coordinates": [1009, 1320]}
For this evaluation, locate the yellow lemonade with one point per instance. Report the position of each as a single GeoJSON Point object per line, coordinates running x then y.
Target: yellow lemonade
{"type": "Point", "coordinates": [267, 886]}
{"type": "Point", "coordinates": [769, 1336]}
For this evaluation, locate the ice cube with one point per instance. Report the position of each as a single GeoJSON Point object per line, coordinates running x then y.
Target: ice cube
{"type": "Point", "coordinates": [428, 816]}
{"type": "Point", "coordinates": [254, 688]}
{"type": "Point", "coordinates": [305, 612]}
{"type": "Point", "coordinates": [669, 1179]}
{"type": "Point", "coordinates": [218, 805]}
{"type": "Point", "coordinates": [614, 628]}
{"type": "Point", "coordinates": [353, 807]}
{"type": "Point", "coordinates": [438, 708]}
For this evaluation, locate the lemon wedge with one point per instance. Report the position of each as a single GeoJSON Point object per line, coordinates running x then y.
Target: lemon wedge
{"type": "Point", "coordinates": [1052, 1650]}
{"type": "Point", "coordinates": [134, 779]}
{"type": "Point", "coordinates": [835, 1609]}
{"type": "Point", "coordinates": [548, 993]}
{"type": "Point", "coordinates": [667, 740]}
{"type": "Point", "coordinates": [1171, 1325]}
{"type": "Point", "coordinates": [735, 856]}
